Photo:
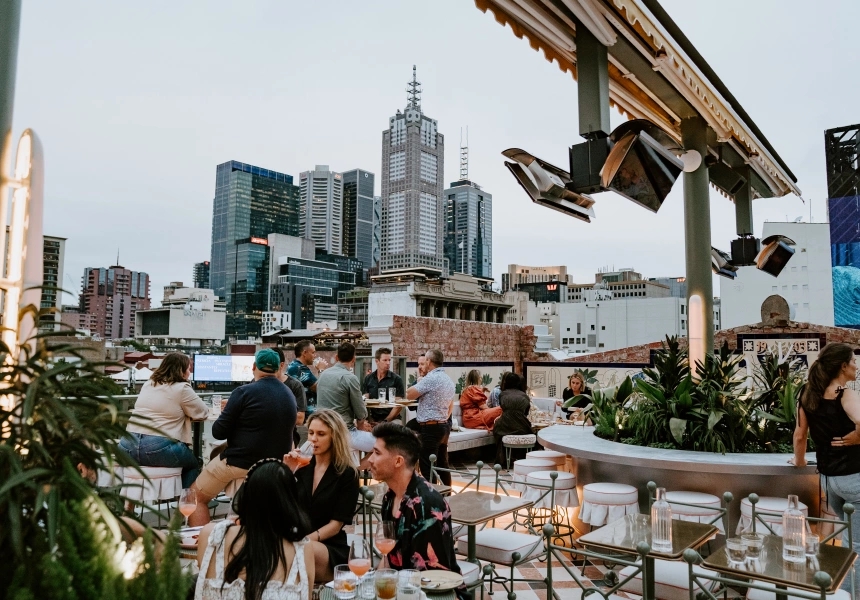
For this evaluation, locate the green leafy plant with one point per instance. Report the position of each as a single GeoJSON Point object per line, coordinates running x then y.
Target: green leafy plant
{"type": "Point", "coordinates": [54, 416]}
{"type": "Point", "coordinates": [778, 383]}
{"type": "Point", "coordinates": [606, 408]}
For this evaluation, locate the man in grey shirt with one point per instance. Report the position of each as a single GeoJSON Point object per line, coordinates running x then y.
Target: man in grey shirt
{"type": "Point", "coordinates": [338, 389]}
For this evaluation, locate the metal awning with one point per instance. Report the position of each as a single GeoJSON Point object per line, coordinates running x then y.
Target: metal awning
{"type": "Point", "coordinates": [655, 73]}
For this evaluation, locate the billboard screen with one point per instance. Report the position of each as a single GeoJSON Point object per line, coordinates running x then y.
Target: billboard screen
{"type": "Point", "coordinates": [214, 367]}
{"type": "Point", "coordinates": [845, 256]}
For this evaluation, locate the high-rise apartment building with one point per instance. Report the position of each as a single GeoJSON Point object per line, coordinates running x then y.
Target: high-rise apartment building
{"type": "Point", "coordinates": [112, 296]}
{"type": "Point", "coordinates": [377, 231]}
{"type": "Point", "coordinates": [358, 221]}
{"type": "Point", "coordinates": [201, 275]}
{"type": "Point", "coordinates": [250, 203]}
{"type": "Point", "coordinates": [52, 280]}
{"type": "Point", "coordinates": [469, 229]}
{"type": "Point", "coordinates": [321, 210]}
{"type": "Point", "coordinates": [413, 210]}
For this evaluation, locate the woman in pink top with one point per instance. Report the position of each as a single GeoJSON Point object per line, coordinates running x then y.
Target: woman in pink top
{"type": "Point", "coordinates": [159, 432]}
{"type": "Point", "coordinates": [473, 404]}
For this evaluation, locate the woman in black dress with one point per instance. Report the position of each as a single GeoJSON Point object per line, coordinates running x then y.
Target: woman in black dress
{"type": "Point", "coordinates": [575, 387]}
{"type": "Point", "coordinates": [328, 489]}
{"type": "Point", "coordinates": [515, 405]}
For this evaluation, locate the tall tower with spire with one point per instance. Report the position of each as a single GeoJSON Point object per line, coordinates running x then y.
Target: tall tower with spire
{"type": "Point", "coordinates": [413, 209]}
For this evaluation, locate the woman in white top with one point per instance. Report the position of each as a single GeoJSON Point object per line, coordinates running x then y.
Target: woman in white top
{"type": "Point", "coordinates": [264, 557]}
{"type": "Point", "coordinates": [160, 430]}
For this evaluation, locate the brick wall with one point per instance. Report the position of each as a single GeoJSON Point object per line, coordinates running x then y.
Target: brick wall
{"type": "Point", "coordinates": [463, 341]}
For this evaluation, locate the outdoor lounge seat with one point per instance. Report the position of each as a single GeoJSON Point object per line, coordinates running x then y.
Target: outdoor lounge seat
{"type": "Point", "coordinates": [671, 580]}
{"type": "Point", "coordinates": [604, 503]}
{"type": "Point", "coordinates": [470, 571]}
{"type": "Point", "coordinates": [696, 514]}
{"type": "Point", "coordinates": [498, 545]}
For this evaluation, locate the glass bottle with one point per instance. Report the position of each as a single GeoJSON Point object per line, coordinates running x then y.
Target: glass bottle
{"type": "Point", "coordinates": [661, 523]}
{"type": "Point", "coordinates": [793, 532]}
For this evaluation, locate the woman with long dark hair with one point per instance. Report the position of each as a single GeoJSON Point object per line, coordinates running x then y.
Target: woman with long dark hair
{"type": "Point", "coordinates": [266, 552]}
{"type": "Point", "coordinates": [160, 430]}
{"type": "Point", "coordinates": [328, 488]}
{"type": "Point", "coordinates": [473, 404]}
{"type": "Point", "coordinates": [515, 404]}
{"type": "Point", "coordinates": [829, 412]}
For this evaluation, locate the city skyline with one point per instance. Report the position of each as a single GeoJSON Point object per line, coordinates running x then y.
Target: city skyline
{"type": "Point", "coordinates": [113, 132]}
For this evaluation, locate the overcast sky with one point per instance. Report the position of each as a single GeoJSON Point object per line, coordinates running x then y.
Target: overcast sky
{"type": "Point", "coordinates": [136, 102]}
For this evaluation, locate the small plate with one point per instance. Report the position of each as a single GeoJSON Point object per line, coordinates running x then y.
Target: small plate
{"type": "Point", "coordinates": [440, 580]}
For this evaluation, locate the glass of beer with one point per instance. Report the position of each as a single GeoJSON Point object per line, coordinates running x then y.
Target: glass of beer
{"type": "Point", "coordinates": [386, 584]}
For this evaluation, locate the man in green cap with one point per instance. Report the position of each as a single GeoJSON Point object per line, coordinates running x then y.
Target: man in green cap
{"type": "Point", "coordinates": [258, 422]}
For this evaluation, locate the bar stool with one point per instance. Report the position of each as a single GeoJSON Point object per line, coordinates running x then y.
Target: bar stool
{"type": "Point", "coordinates": [603, 503]}
{"type": "Point", "coordinates": [526, 466]}
{"type": "Point", "coordinates": [696, 514]}
{"type": "Point", "coordinates": [557, 457]}
{"type": "Point", "coordinates": [517, 441]}
{"type": "Point", "coordinates": [765, 505]}
{"type": "Point", "coordinates": [164, 485]}
{"type": "Point", "coordinates": [565, 497]}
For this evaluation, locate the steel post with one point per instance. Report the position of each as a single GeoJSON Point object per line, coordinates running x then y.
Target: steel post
{"type": "Point", "coordinates": [10, 20]}
{"type": "Point", "coordinates": [743, 205]}
{"type": "Point", "coordinates": [592, 74]}
{"type": "Point", "coordinates": [697, 230]}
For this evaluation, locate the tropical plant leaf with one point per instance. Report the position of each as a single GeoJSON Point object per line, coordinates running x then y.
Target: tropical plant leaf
{"type": "Point", "coordinates": [678, 427]}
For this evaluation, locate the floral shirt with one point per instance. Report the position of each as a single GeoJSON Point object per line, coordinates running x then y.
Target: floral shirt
{"type": "Point", "coordinates": [423, 530]}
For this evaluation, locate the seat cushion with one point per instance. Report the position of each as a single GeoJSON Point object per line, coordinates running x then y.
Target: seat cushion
{"type": "Point", "coordinates": [497, 545]}
{"type": "Point", "coordinates": [519, 439]}
{"type": "Point", "coordinates": [771, 504]}
{"type": "Point", "coordinates": [153, 472]}
{"type": "Point", "coordinates": [610, 493]}
{"type": "Point", "coordinates": [467, 434]}
{"type": "Point", "coordinates": [762, 595]}
{"type": "Point", "coordinates": [165, 483]}
{"type": "Point", "coordinates": [564, 481]}
{"type": "Point", "coordinates": [470, 572]}
{"type": "Point", "coordinates": [528, 465]}
{"type": "Point", "coordinates": [557, 457]}
{"type": "Point", "coordinates": [671, 580]}
{"type": "Point", "coordinates": [704, 500]}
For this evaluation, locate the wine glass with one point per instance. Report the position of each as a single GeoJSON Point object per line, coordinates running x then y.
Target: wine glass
{"type": "Point", "coordinates": [384, 540]}
{"type": "Point", "coordinates": [359, 557]}
{"type": "Point", "coordinates": [187, 503]}
{"type": "Point", "coordinates": [306, 453]}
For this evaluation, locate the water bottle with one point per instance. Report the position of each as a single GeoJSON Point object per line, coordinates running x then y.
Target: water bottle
{"type": "Point", "coordinates": [661, 523]}
{"type": "Point", "coordinates": [793, 532]}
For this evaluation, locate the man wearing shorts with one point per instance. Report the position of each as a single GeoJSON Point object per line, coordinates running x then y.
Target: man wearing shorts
{"type": "Point", "coordinates": [338, 389]}
{"type": "Point", "coordinates": [258, 422]}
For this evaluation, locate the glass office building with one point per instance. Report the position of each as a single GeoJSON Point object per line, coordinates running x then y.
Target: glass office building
{"type": "Point", "coordinates": [302, 282]}
{"type": "Point", "coordinates": [469, 229]}
{"type": "Point", "coordinates": [358, 220]}
{"type": "Point", "coordinates": [250, 203]}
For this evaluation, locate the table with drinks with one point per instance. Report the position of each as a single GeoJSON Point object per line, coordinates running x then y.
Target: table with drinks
{"type": "Point", "coordinates": [473, 508]}
{"type": "Point", "coordinates": [388, 399]}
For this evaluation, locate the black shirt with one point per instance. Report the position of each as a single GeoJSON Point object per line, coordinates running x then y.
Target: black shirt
{"type": "Point", "coordinates": [371, 387]}
{"type": "Point", "coordinates": [830, 421]}
{"type": "Point", "coordinates": [258, 422]}
{"type": "Point", "coordinates": [567, 394]}
{"type": "Point", "coordinates": [335, 499]}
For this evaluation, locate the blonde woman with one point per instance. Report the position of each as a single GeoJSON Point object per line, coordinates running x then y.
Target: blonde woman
{"type": "Point", "coordinates": [328, 489]}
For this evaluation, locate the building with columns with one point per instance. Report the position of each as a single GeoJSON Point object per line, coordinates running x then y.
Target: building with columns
{"type": "Point", "coordinates": [460, 297]}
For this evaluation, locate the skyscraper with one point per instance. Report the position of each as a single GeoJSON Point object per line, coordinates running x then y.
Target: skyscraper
{"type": "Point", "coordinates": [52, 280]}
{"type": "Point", "coordinates": [250, 203]}
{"type": "Point", "coordinates": [468, 225]}
{"type": "Point", "coordinates": [358, 216]}
{"type": "Point", "coordinates": [321, 209]}
{"type": "Point", "coordinates": [113, 296]}
{"type": "Point", "coordinates": [201, 275]}
{"type": "Point", "coordinates": [413, 212]}
{"type": "Point", "coordinates": [377, 231]}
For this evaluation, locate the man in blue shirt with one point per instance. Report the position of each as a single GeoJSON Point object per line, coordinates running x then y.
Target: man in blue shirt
{"type": "Point", "coordinates": [434, 393]}
{"type": "Point", "coordinates": [300, 368]}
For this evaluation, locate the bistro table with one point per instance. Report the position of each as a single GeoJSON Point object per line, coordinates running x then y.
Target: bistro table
{"type": "Point", "coordinates": [327, 593]}
{"type": "Point", "coordinates": [623, 535]}
{"type": "Point", "coordinates": [473, 508]}
{"type": "Point", "coordinates": [406, 405]}
{"type": "Point", "coordinates": [836, 561]}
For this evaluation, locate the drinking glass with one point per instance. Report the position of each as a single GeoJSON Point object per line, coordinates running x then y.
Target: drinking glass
{"type": "Point", "coordinates": [384, 540]}
{"type": "Point", "coordinates": [187, 503]}
{"type": "Point", "coordinates": [735, 549]}
{"type": "Point", "coordinates": [306, 453]}
{"type": "Point", "coordinates": [753, 543]}
{"type": "Point", "coordinates": [392, 394]}
{"type": "Point", "coordinates": [408, 584]}
{"type": "Point", "coordinates": [359, 557]}
{"type": "Point", "coordinates": [812, 542]}
{"type": "Point", "coordinates": [383, 395]}
{"type": "Point", "coordinates": [386, 584]}
{"type": "Point", "coordinates": [345, 582]}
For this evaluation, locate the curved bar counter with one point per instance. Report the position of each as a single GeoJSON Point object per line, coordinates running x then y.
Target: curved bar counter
{"type": "Point", "coordinates": [596, 459]}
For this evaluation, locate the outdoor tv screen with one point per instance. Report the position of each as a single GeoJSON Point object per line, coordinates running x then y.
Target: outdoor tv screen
{"type": "Point", "coordinates": [213, 367]}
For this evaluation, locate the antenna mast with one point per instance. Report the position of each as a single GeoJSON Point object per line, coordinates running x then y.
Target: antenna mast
{"type": "Point", "coordinates": [413, 91]}
{"type": "Point", "coordinates": [464, 155]}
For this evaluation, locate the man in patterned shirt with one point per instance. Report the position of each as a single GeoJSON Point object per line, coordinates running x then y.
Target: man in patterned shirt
{"type": "Point", "coordinates": [300, 368]}
{"type": "Point", "coordinates": [421, 515]}
{"type": "Point", "coordinates": [434, 392]}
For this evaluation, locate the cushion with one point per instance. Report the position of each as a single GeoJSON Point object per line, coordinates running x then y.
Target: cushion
{"type": "Point", "coordinates": [470, 572]}
{"type": "Point", "coordinates": [693, 498]}
{"type": "Point", "coordinates": [771, 504]}
{"type": "Point", "coordinates": [610, 493]}
{"type": "Point", "coordinates": [671, 580]}
{"type": "Point", "coordinates": [559, 458]}
{"type": "Point", "coordinates": [153, 472]}
{"type": "Point", "coordinates": [753, 594]}
{"type": "Point", "coordinates": [527, 465]}
{"type": "Point", "coordinates": [565, 481]}
{"type": "Point", "coordinates": [497, 545]}
{"type": "Point", "coordinates": [467, 434]}
{"type": "Point", "coordinates": [165, 483]}
{"type": "Point", "coordinates": [520, 439]}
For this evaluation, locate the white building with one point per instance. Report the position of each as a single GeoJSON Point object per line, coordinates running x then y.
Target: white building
{"type": "Point", "coordinates": [321, 208]}
{"type": "Point", "coordinates": [274, 321]}
{"type": "Point", "coordinates": [806, 282]}
{"type": "Point", "coordinates": [188, 317]}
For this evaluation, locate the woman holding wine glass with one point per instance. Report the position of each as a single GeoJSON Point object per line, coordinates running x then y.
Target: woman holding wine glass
{"type": "Point", "coordinates": [328, 487]}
